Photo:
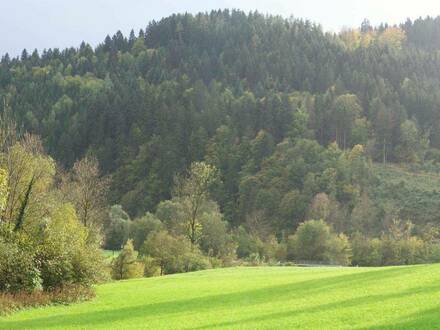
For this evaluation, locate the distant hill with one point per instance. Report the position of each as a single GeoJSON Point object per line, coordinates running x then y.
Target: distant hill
{"type": "Point", "coordinates": [228, 87]}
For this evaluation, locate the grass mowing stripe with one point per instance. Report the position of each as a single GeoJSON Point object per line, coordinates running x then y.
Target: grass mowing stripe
{"type": "Point", "coordinates": [255, 298]}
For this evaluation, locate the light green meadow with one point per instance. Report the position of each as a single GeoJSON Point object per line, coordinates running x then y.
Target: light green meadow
{"type": "Point", "coordinates": [255, 298]}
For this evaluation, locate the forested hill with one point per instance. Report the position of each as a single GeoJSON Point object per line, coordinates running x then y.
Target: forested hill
{"type": "Point", "coordinates": [260, 97]}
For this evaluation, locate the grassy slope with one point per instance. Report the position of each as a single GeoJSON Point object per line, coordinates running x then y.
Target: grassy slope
{"type": "Point", "coordinates": [416, 194]}
{"type": "Point", "coordinates": [110, 254]}
{"type": "Point", "coordinates": [256, 298]}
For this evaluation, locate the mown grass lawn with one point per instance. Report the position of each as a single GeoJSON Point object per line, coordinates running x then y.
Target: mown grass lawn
{"type": "Point", "coordinates": [255, 298]}
{"type": "Point", "coordinates": [110, 254]}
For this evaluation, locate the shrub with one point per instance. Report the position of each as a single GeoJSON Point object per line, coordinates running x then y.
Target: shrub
{"type": "Point", "coordinates": [272, 250]}
{"type": "Point", "coordinates": [140, 228]}
{"type": "Point", "coordinates": [314, 241]}
{"type": "Point", "coordinates": [412, 251]}
{"type": "Point", "coordinates": [309, 241]}
{"type": "Point", "coordinates": [18, 269]}
{"type": "Point", "coordinates": [65, 256]}
{"type": "Point", "coordinates": [247, 244]}
{"type": "Point", "coordinates": [339, 250]}
{"type": "Point", "coordinates": [173, 254]}
{"type": "Point", "coordinates": [388, 251]}
{"type": "Point", "coordinates": [116, 228]}
{"type": "Point", "coordinates": [116, 234]}
{"type": "Point", "coordinates": [164, 249]}
{"type": "Point", "coordinates": [215, 239]}
{"type": "Point", "coordinates": [193, 260]}
{"type": "Point", "coordinates": [434, 253]}
{"type": "Point", "coordinates": [151, 268]}
{"type": "Point", "coordinates": [89, 266]}
{"type": "Point", "coordinates": [172, 213]}
{"type": "Point", "coordinates": [366, 251]}
{"type": "Point", "coordinates": [403, 251]}
{"type": "Point", "coordinates": [254, 259]}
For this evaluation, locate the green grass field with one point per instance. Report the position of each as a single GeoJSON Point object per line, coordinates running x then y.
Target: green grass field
{"type": "Point", "coordinates": [110, 254]}
{"type": "Point", "coordinates": [255, 298]}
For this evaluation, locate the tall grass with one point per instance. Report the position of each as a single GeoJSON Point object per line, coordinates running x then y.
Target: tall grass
{"type": "Point", "coordinates": [11, 302]}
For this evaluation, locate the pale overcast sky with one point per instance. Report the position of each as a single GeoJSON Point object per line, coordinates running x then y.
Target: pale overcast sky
{"type": "Point", "coordinates": [61, 23]}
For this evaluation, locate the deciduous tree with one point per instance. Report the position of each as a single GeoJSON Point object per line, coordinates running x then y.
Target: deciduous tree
{"type": "Point", "coordinates": [193, 190]}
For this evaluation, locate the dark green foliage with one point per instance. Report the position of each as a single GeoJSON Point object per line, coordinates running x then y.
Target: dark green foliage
{"type": "Point", "coordinates": [315, 242]}
{"type": "Point", "coordinates": [141, 227]}
{"type": "Point", "coordinates": [64, 255]}
{"type": "Point", "coordinates": [247, 244]}
{"type": "Point", "coordinates": [151, 268]}
{"type": "Point", "coordinates": [117, 228]}
{"type": "Point", "coordinates": [290, 117]}
{"type": "Point", "coordinates": [215, 240]}
{"type": "Point", "coordinates": [423, 33]}
{"type": "Point", "coordinates": [46, 254]}
{"type": "Point", "coordinates": [57, 256]}
{"type": "Point", "coordinates": [18, 267]}
{"type": "Point", "coordinates": [407, 193]}
{"type": "Point", "coordinates": [389, 250]}
{"type": "Point", "coordinates": [173, 254]}
{"type": "Point", "coordinates": [227, 87]}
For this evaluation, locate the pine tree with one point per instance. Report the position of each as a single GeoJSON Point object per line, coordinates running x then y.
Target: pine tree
{"type": "Point", "coordinates": [126, 265]}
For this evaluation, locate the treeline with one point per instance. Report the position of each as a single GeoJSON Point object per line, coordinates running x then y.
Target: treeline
{"type": "Point", "coordinates": [188, 233]}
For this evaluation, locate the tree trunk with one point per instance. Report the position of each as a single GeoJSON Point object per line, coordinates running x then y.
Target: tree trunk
{"type": "Point", "coordinates": [193, 233]}
{"type": "Point", "coordinates": [20, 218]}
{"type": "Point", "coordinates": [344, 140]}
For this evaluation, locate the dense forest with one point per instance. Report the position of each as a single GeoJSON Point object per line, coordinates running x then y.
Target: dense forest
{"type": "Point", "coordinates": [286, 122]}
